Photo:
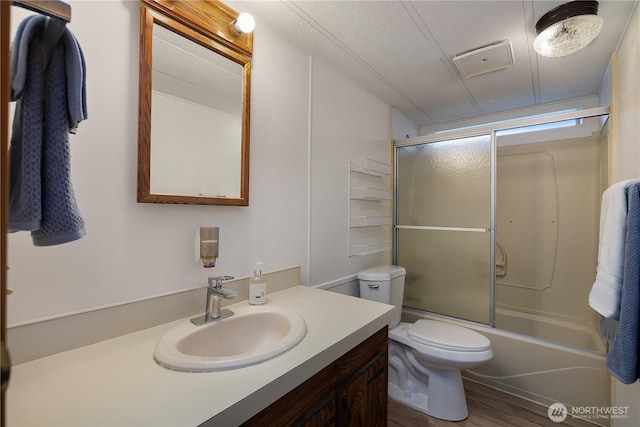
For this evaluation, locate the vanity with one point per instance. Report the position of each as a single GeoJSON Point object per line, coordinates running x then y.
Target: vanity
{"type": "Point", "coordinates": [350, 391]}
{"type": "Point", "coordinates": [336, 373]}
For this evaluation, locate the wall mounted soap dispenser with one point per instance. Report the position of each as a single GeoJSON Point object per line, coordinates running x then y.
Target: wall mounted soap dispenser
{"type": "Point", "coordinates": [207, 246]}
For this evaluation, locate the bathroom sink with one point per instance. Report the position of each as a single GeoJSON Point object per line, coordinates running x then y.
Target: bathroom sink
{"type": "Point", "coordinates": [252, 335]}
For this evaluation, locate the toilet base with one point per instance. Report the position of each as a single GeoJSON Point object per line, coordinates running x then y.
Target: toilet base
{"type": "Point", "coordinates": [453, 410]}
{"type": "Point", "coordinates": [417, 401]}
{"type": "Point", "coordinates": [434, 390]}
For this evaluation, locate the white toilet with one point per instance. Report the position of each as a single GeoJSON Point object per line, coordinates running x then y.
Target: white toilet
{"type": "Point", "coordinates": [425, 357]}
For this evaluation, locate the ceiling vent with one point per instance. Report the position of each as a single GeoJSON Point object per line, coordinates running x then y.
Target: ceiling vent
{"type": "Point", "coordinates": [495, 56]}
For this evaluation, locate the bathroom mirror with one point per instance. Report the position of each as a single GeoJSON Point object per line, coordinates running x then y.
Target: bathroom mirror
{"type": "Point", "coordinates": [193, 124]}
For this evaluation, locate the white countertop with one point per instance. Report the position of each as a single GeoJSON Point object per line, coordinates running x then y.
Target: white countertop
{"type": "Point", "coordinates": [118, 383]}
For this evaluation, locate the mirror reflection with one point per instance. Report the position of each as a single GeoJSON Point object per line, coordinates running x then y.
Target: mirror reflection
{"type": "Point", "coordinates": [196, 119]}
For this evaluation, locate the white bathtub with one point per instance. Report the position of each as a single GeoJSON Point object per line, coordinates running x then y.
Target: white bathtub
{"type": "Point", "coordinates": [537, 370]}
{"type": "Point", "coordinates": [549, 329]}
{"type": "Point", "coordinates": [531, 368]}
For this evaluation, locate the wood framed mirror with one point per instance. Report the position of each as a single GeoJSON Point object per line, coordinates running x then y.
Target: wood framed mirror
{"type": "Point", "coordinates": [194, 104]}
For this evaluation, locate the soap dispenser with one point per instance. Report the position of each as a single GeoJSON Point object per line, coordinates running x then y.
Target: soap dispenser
{"type": "Point", "coordinates": [257, 286]}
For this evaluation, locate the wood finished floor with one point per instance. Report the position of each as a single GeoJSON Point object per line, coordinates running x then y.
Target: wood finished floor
{"type": "Point", "coordinates": [487, 408]}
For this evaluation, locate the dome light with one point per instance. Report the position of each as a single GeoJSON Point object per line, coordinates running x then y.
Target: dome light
{"type": "Point", "coordinates": [567, 28]}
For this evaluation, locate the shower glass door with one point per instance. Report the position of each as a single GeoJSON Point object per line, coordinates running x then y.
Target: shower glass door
{"type": "Point", "coordinates": [443, 226]}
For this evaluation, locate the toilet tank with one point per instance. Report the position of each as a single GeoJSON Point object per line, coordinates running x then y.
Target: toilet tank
{"type": "Point", "coordinates": [384, 284]}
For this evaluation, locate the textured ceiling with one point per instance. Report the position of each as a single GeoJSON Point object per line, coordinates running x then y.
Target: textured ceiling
{"type": "Point", "coordinates": [401, 51]}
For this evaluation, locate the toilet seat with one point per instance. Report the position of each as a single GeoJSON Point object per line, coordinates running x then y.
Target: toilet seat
{"type": "Point", "coordinates": [446, 336]}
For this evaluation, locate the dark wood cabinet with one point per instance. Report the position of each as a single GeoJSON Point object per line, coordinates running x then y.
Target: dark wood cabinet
{"type": "Point", "coordinates": [362, 401]}
{"type": "Point", "coordinates": [352, 391]}
{"type": "Point", "coordinates": [322, 416]}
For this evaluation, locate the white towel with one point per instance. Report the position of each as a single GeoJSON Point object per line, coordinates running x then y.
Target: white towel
{"type": "Point", "coordinates": [605, 293]}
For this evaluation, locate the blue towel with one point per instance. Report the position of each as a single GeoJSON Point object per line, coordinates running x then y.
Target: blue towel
{"type": "Point", "coordinates": [51, 101]}
{"type": "Point", "coordinates": [623, 359]}
{"type": "Point", "coordinates": [74, 66]}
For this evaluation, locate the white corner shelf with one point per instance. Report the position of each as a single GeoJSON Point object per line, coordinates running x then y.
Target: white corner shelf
{"type": "Point", "coordinates": [369, 207]}
{"type": "Point", "coordinates": [369, 221]}
{"type": "Point", "coordinates": [370, 193]}
{"type": "Point", "coordinates": [370, 167]}
{"type": "Point", "coordinates": [370, 249]}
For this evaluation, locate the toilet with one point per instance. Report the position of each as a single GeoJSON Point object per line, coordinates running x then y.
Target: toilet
{"type": "Point", "coordinates": [425, 357]}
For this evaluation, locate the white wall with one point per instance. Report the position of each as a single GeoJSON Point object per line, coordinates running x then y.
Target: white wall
{"type": "Point", "coordinates": [347, 123]}
{"type": "Point", "coordinates": [135, 251]}
{"type": "Point", "coordinates": [628, 165]}
{"type": "Point", "coordinates": [402, 127]}
{"type": "Point", "coordinates": [628, 101]}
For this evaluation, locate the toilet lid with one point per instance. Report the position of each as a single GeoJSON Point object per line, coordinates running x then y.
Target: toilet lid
{"type": "Point", "coordinates": [447, 336]}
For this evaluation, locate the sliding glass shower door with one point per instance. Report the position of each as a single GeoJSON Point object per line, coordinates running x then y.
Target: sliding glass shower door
{"type": "Point", "coordinates": [443, 226]}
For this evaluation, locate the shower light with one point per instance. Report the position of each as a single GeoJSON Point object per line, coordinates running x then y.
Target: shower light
{"type": "Point", "coordinates": [567, 28]}
{"type": "Point", "coordinates": [244, 23]}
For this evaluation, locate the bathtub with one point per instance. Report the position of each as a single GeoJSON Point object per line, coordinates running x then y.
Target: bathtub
{"type": "Point", "coordinates": [549, 329]}
{"type": "Point", "coordinates": [535, 369]}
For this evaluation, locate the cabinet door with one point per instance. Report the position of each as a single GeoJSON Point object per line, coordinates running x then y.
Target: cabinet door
{"type": "Point", "coordinates": [352, 391]}
{"type": "Point", "coordinates": [363, 401]}
{"type": "Point", "coordinates": [352, 403]}
{"type": "Point", "coordinates": [377, 381]}
{"type": "Point", "coordinates": [325, 416]}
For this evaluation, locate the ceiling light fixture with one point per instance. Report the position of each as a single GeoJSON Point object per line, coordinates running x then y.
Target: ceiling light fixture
{"type": "Point", "coordinates": [244, 23]}
{"type": "Point", "coordinates": [567, 28]}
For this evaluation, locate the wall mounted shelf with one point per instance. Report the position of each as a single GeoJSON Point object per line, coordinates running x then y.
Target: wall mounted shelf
{"type": "Point", "coordinates": [370, 249]}
{"type": "Point", "coordinates": [370, 167]}
{"type": "Point", "coordinates": [370, 193]}
{"type": "Point", "coordinates": [369, 221]}
{"type": "Point", "coordinates": [369, 207]}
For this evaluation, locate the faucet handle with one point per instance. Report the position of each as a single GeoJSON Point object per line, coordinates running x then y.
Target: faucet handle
{"type": "Point", "coordinates": [218, 280]}
{"type": "Point", "coordinates": [225, 293]}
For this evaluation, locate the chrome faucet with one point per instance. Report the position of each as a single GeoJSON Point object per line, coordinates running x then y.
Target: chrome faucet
{"type": "Point", "coordinates": [215, 293]}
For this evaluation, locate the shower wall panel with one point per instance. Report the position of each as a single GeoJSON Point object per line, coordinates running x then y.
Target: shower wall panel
{"type": "Point", "coordinates": [547, 213]}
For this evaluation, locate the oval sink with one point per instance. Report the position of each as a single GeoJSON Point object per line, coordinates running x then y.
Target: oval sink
{"type": "Point", "coordinates": [252, 335]}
